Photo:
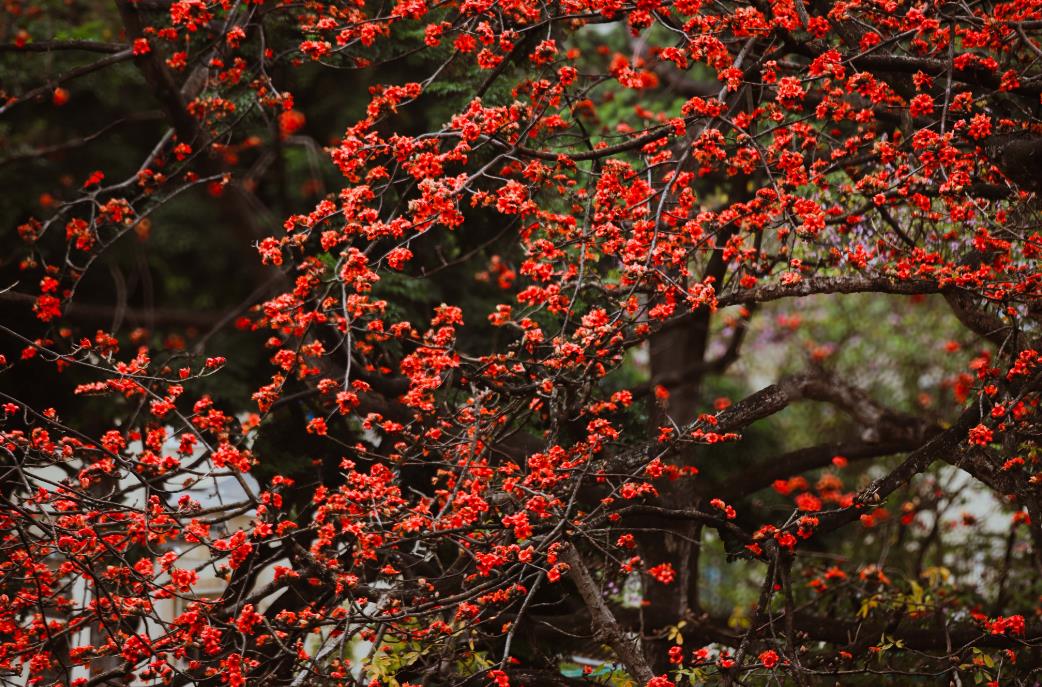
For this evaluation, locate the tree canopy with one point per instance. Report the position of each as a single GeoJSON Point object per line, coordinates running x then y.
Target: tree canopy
{"type": "Point", "coordinates": [466, 342]}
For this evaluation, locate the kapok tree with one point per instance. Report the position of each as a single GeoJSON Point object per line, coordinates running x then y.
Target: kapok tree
{"type": "Point", "coordinates": [525, 485]}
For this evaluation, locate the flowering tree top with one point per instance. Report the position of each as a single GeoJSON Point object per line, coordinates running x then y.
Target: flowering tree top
{"type": "Point", "coordinates": [526, 322]}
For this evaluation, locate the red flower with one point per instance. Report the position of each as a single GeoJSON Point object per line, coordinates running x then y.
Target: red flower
{"type": "Point", "coordinates": [1011, 625]}
{"type": "Point", "coordinates": [980, 126]}
{"type": "Point", "coordinates": [981, 435]}
{"type": "Point", "coordinates": [729, 512]}
{"type": "Point", "coordinates": [808, 502]}
{"type": "Point", "coordinates": [663, 572]}
{"type": "Point", "coordinates": [95, 177]}
{"type": "Point", "coordinates": [921, 105]}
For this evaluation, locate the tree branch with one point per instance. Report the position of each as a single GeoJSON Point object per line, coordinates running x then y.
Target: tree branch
{"type": "Point", "coordinates": [606, 627]}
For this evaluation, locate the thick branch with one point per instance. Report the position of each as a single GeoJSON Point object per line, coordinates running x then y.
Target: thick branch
{"type": "Point", "coordinates": [606, 627]}
{"type": "Point", "coordinates": [822, 285]}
